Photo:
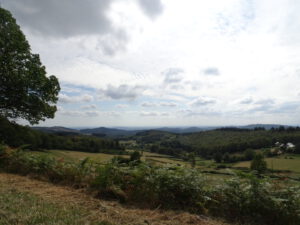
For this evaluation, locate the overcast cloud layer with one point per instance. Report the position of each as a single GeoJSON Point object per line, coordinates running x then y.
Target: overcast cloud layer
{"type": "Point", "coordinates": [168, 62]}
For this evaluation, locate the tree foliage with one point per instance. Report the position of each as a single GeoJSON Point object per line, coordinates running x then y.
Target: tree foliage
{"type": "Point", "coordinates": [259, 164]}
{"type": "Point", "coordinates": [25, 90]}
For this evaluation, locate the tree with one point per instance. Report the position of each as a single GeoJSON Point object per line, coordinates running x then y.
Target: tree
{"type": "Point", "coordinates": [192, 159]}
{"type": "Point", "coordinates": [25, 90]}
{"type": "Point", "coordinates": [249, 154]}
{"type": "Point", "coordinates": [226, 158]}
{"type": "Point", "coordinates": [258, 163]}
{"type": "Point", "coordinates": [218, 157]}
{"type": "Point", "coordinates": [135, 156]}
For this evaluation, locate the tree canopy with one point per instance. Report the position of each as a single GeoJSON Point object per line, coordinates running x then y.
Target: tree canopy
{"type": "Point", "coordinates": [25, 90]}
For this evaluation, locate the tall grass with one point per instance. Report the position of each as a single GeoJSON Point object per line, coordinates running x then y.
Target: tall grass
{"type": "Point", "coordinates": [244, 199]}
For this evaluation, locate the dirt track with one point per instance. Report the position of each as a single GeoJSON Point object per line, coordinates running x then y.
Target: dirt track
{"type": "Point", "coordinates": [99, 209]}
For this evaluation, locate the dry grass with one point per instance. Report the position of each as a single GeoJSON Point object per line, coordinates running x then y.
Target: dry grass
{"type": "Point", "coordinates": [76, 155]}
{"type": "Point", "coordinates": [103, 158]}
{"type": "Point", "coordinates": [99, 210]}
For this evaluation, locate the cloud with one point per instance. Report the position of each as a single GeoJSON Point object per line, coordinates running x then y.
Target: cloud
{"type": "Point", "coordinates": [202, 101]}
{"type": "Point", "coordinates": [267, 101]}
{"type": "Point", "coordinates": [162, 104]}
{"type": "Point", "coordinates": [122, 106]}
{"type": "Point", "coordinates": [67, 19]}
{"type": "Point", "coordinates": [202, 113]}
{"type": "Point", "coordinates": [75, 113]}
{"type": "Point", "coordinates": [168, 104]}
{"type": "Point", "coordinates": [173, 75]}
{"type": "Point", "coordinates": [75, 99]}
{"type": "Point", "coordinates": [91, 113]}
{"type": "Point", "coordinates": [287, 107]}
{"type": "Point", "coordinates": [191, 113]}
{"type": "Point", "coordinates": [152, 8]}
{"type": "Point", "coordinates": [87, 107]}
{"type": "Point", "coordinates": [165, 114]}
{"type": "Point", "coordinates": [113, 42]}
{"type": "Point", "coordinates": [62, 18]}
{"type": "Point", "coordinates": [148, 104]}
{"type": "Point", "coordinates": [113, 114]}
{"type": "Point", "coordinates": [211, 71]}
{"type": "Point", "coordinates": [154, 114]}
{"type": "Point", "coordinates": [263, 105]}
{"type": "Point", "coordinates": [246, 101]}
{"type": "Point", "coordinates": [146, 114]}
{"type": "Point", "coordinates": [123, 91]}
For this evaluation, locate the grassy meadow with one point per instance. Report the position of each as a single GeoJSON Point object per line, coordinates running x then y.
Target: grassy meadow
{"type": "Point", "coordinates": [287, 162]}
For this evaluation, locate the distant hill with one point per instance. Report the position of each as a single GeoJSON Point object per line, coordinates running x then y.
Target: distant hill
{"type": "Point", "coordinates": [179, 130]}
{"type": "Point", "coordinates": [266, 126]}
{"type": "Point", "coordinates": [120, 133]}
{"type": "Point", "coordinates": [110, 132]}
{"type": "Point", "coordinates": [57, 130]}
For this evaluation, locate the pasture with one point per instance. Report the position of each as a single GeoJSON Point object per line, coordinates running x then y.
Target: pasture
{"type": "Point", "coordinates": [287, 162]}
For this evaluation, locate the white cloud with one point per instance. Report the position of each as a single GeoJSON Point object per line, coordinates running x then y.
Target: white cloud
{"type": "Point", "coordinates": [212, 71]}
{"type": "Point", "coordinates": [173, 75]}
{"type": "Point", "coordinates": [149, 114]}
{"type": "Point", "coordinates": [168, 104]}
{"type": "Point", "coordinates": [122, 106]}
{"type": "Point", "coordinates": [148, 104]}
{"type": "Point", "coordinates": [203, 101]}
{"type": "Point", "coordinates": [75, 99]}
{"type": "Point", "coordinates": [123, 91]}
{"type": "Point", "coordinates": [154, 114]}
{"type": "Point", "coordinates": [76, 113]}
{"type": "Point", "coordinates": [247, 100]}
{"type": "Point", "coordinates": [88, 107]}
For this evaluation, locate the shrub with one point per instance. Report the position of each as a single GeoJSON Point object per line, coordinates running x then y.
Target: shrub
{"type": "Point", "coordinates": [254, 200]}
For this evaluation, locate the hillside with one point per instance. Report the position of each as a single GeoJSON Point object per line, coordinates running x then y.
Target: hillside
{"type": "Point", "coordinates": [208, 143]}
{"type": "Point", "coordinates": [57, 130]}
{"type": "Point", "coordinates": [77, 207]}
{"type": "Point", "coordinates": [123, 132]}
{"type": "Point", "coordinates": [109, 132]}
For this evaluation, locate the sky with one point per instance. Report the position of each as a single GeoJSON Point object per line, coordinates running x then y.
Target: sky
{"type": "Point", "coordinates": [167, 62]}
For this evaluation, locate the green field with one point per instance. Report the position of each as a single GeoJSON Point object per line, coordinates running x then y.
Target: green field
{"type": "Point", "coordinates": [285, 162]}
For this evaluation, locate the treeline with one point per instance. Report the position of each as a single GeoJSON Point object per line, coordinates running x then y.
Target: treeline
{"type": "Point", "coordinates": [16, 135]}
{"type": "Point", "coordinates": [220, 141]}
{"type": "Point", "coordinates": [207, 144]}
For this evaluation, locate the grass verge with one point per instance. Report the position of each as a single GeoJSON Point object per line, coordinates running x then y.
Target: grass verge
{"type": "Point", "coordinates": [28, 209]}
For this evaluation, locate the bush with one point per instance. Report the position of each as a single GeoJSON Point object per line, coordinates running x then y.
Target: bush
{"type": "Point", "coordinates": [254, 200]}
